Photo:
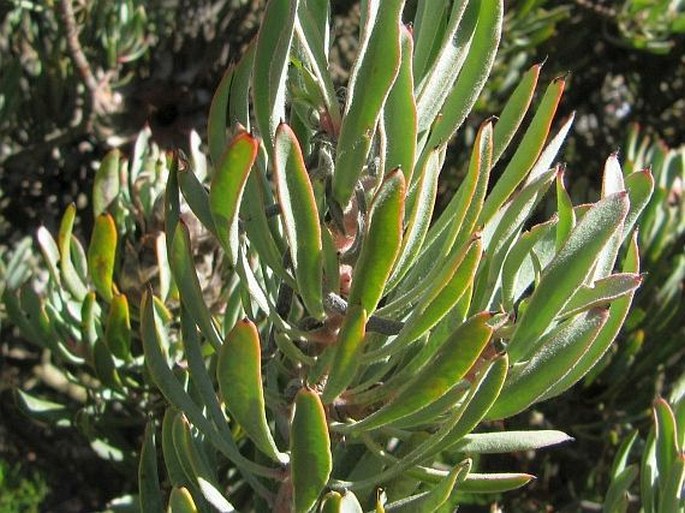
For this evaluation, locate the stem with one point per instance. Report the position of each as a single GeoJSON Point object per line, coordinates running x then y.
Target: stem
{"type": "Point", "coordinates": [336, 304]}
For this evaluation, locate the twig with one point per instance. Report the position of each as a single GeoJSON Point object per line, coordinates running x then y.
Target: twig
{"type": "Point", "coordinates": [336, 304]}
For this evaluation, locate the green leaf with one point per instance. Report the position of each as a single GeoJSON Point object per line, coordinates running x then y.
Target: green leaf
{"type": "Point", "coordinates": [500, 233]}
{"type": "Point", "coordinates": [118, 328]}
{"type": "Point", "coordinates": [228, 184]}
{"type": "Point", "coordinates": [429, 27]}
{"type": "Point", "coordinates": [173, 391]}
{"type": "Point", "coordinates": [218, 113]}
{"type": "Point", "coordinates": [300, 218]}
{"type": "Point", "coordinates": [310, 446]}
{"type": "Point", "coordinates": [312, 30]}
{"type": "Point", "coordinates": [183, 269]}
{"type": "Point", "coordinates": [621, 458]}
{"type": "Point", "coordinates": [148, 478]}
{"type": "Point", "coordinates": [50, 251]}
{"type": "Point", "coordinates": [510, 441]}
{"type": "Point", "coordinates": [557, 354]}
{"type": "Point", "coordinates": [256, 197]}
{"type": "Point", "coordinates": [271, 66]}
{"type": "Point", "coordinates": [440, 296]}
{"type": "Point", "coordinates": [483, 394]}
{"type": "Point", "coordinates": [69, 275]}
{"type": "Point", "coordinates": [195, 195]}
{"type": "Point", "coordinates": [239, 98]}
{"type": "Point", "coordinates": [667, 449]}
{"type": "Point", "coordinates": [172, 462]}
{"type": "Point", "coordinates": [347, 352]}
{"type": "Point", "coordinates": [567, 215]}
{"type": "Point", "coordinates": [370, 81]}
{"type": "Point", "coordinates": [180, 501]}
{"type": "Point", "coordinates": [567, 271]}
{"type": "Point", "coordinates": [106, 183]}
{"type": "Point", "coordinates": [42, 409]}
{"type": "Point", "coordinates": [457, 222]}
{"type": "Point", "coordinates": [418, 217]}
{"type": "Point", "coordinates": [101, 254]}
{"type": "Point", "coordinates": [474, 73]}
{"type": "Point", "coordinates": [514, 111]}
{"type": "Point", "coordinates": [399, 114]}
{"type": "Point", "coordinates": [90, 319]}
{"type": "Point", "coordinates": [331, 503]}
{"type": "Point", "coordinates": [105, 368]}
{"type": "Point", "coordinates": [191, 455]}
{"type": "Point", "coordinates": [239, 374]}
{"type": "Point", "coordinates": [487, 384]}
{"type": "Point", "coordinates": [616, 499]}
{"type": "Point", "coordinates": [449, 60]}
{"type": "Point", "coordinates": [601, 293]}
{"type": "Point", "coordinates": [527, 151]}
{"type": "Point", "coordinates": [381, 244]}
{"type": "Point", "coordinates": [640, 187]}
{"type": "Point", "coordinates": [449, 365]}
{"type": "Point", "coordinates": [617, 314]}
{"type": "Point", "coordinates": [429, 502]}
{"type": "Point", "coordinates": [513, 283]}
{"type": "Point", "coordinates": [494, 483]}
{"type": "Point", "coordinates": [670, 499]}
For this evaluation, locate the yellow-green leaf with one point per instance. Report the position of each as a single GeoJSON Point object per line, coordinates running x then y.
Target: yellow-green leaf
{"type": "Point", "coordinates": [239, 374]}
{"type": "Point", "coordinates": [310, 446]}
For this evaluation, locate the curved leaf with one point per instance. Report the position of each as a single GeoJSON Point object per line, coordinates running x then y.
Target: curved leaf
{"type": "Point", "coordinates": [310, 446]}
{"type": "Point", "coordinates": [227, 188]}
{"type": "Point", "coordinates": [371, 79]}
{"type": "Point", "coordinates": [381, 244]}
{"type": "Point", "coordinates": [118, 328]}
{"type": "Point", "coordinates": [449, 365]}
{"type": "Point", "coordinates": [239, 374]}
{"type": "Point", "coordinates": [567, 271]}
{"type": "Point", "coordinates": [271, 66]}
{"type": "Point", "coordinates": [300, 218]}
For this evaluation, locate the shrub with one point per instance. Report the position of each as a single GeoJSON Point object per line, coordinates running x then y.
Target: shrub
{"type": "Point", "coordinates": [358, 355]}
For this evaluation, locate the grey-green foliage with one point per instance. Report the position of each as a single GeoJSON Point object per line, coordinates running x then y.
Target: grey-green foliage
{"type": "Point", "coordinates": [40, 90]}
{"type": "Point", "coordinates": [383, 342]}
{"type": "Point", "coordinates": [80, 307]}
{"type": "Point", "coordinates": [652, 25]}
{"type": "Point", "coordinates": [652, 340]}
{"type": "Point", "coordinates": [655, 482]}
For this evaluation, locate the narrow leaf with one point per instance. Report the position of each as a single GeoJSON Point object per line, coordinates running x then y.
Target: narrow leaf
{"type": "Point", "coordinates": [567, 271]}
{"type": "Point", "coordinates": [381, 243]}
{"type": "Point", "coordinates": [300, 217]}
{"type": "Point", "coordinates": [450, 364]}
{"type": "Point", "coordinates": [347, 352]}
{"type": "Point", "coordinates": [183, 268]}
{"type": "Point", "coordinates": [106, 183]}
{"type": "Point", "coordinates": [514, 111]}
{"type": "Point", "coordinates": [271, 66]}
{"type": "Point", "coordinates": [69, 275]}
{"type": "Point", "coordinates": [557, 354]}
{"type": "Point", "coordinates": [310, 446]}
{"type": "Point", "coordinates": [118, 328]}
{"type": "Point", "coordinates": [399, 114]}
{"type": "Point", "coordinates": [180, 501]}
{"type": "Point", "coordinates": [527, 151]}
{"type": "Point", "coordinates": [148, 478]}
{"type": "Point", "coordinates": [371, 79]}
{"type": "Point", "coordinates": [510, 441]}
{"type": "Point", "coordinates": [227, 188]}
{"type": "Point", "coordinates": [239, 374]}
